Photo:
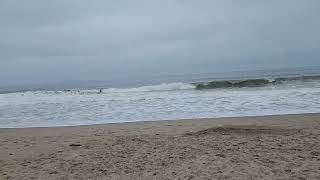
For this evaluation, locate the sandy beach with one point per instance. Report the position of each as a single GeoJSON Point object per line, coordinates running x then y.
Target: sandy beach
{"type": "Point", "coordinates": [270, 147]}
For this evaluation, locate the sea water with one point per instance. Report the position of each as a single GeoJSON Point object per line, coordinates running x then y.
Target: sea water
{"type": "Point", "coordinates": [168, 100]}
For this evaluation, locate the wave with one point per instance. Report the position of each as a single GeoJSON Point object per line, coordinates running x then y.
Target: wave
{"type": "Point", "coordinates": [152, 88]}
{"type": "Point", "coordinates": [252, 82]}
{"type": "Point", "coordinates": [299, 78]}
{"type": "Point", "coordinates": [198, 86]}
{"type": "Point", "coordinates": [182, 86]}
{"type": "Point", "coordinates": [233, 83]}
{"type": "Point", "coordinates": [160, 87]}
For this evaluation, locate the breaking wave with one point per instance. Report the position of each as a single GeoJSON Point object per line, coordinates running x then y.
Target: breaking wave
{"type": "Point", "coordinates": [161, 87]}
{"type": "Point", "coordinates": [221, 84]}
{"type": "Point", "coordinates": [160, 102]}
{"type": "Point", "coordinates": [252, 82]}
{"type": "Point", "coordinates": [152, 88]}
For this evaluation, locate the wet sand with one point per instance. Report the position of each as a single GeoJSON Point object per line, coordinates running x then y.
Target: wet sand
{"type": "Point", "coordinates": [270, 147]}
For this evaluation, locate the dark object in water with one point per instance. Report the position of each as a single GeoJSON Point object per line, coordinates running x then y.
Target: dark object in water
{"type": "Point", "coordinates": [74, 145]}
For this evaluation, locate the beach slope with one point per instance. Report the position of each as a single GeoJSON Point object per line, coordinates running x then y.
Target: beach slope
{"type": "Point", "coordinates": [270, 147]}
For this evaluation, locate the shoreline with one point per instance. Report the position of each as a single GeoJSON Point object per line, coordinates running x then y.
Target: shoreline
{"type": "Point", "coordinates": [152, 121]}
{"type": "Point", "coordinates": [254, 147]}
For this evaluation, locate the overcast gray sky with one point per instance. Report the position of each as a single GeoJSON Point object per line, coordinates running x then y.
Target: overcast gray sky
{"type": "Point", "coordinates": [52, 41]}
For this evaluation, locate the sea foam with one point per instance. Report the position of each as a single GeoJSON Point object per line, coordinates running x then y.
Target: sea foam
{"type": "Point", "coordinates": [155, 102]}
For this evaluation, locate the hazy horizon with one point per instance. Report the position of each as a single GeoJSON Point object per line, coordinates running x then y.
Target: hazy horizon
{"type": "Point", "coordinates": [155, 76]}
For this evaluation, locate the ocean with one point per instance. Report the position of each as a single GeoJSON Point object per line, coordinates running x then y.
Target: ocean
{"type": "Point", "coordinates": [232, 94]}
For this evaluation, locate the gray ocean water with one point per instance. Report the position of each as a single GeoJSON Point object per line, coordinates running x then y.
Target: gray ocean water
{"type": "Point", "coordinates": [160, 98]}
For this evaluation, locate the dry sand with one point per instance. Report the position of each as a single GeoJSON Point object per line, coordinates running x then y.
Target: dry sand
{"type": "Point", "coordinates": [273, 147]}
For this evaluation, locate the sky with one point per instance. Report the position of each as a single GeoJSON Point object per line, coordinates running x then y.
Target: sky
{"type": "Point", "coordinates": [45, 41]}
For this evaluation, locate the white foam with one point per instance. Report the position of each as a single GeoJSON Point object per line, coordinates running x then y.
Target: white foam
{"type": "Point", "coordinates": [161, 87]}
{"type": "Point", "coordinates": [161, 102]}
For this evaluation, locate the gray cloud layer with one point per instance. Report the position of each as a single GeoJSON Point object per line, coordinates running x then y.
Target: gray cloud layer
{"type": "Point", "coordinates": [48, 41]}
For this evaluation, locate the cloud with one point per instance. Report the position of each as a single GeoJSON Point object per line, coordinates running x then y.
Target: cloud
{"type": "Point", "coordinates": [42, 40]}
